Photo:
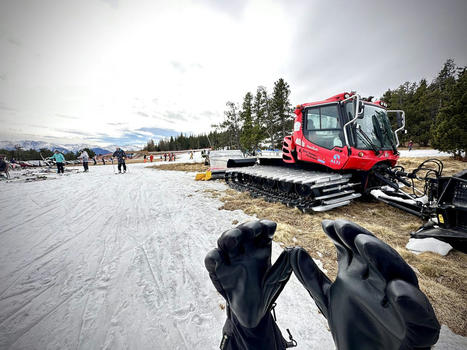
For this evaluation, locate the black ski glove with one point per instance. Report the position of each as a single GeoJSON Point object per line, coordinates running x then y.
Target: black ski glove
{"type": "Point", "coordinates": [375, 301]}
{"type": "Point", "coordinates": [240, 269]}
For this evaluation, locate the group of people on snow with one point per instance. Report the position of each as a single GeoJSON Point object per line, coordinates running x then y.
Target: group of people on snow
{"type": "Point", "coordinates": [59, 159]}
{"type": "Point", "coordinates": [151, 158]}
{"type": "Point", "coordinates": [165, 157]}
{"type": "Point", "coordinates": [170, 156]}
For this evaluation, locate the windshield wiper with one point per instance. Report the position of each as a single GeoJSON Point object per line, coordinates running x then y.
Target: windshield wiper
{"type": "Point", "coordinates": [364, 137]}
{"type": "Point", "coordinates": [385, 129]}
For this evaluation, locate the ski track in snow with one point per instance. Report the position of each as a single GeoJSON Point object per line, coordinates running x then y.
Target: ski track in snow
{"type": "Point", "coordinates": [99, 261]}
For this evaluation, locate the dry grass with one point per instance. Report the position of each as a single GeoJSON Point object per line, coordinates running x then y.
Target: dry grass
{"type": "Point", "coordinates": [442, 278]}
{"type": "Point", "coordinates": [192, 167]}
{"type": "Point", "coordinates": [451, 166]}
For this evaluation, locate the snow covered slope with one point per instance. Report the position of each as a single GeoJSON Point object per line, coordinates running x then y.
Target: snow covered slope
{"type": "Point", "coordinates": [103, 261]}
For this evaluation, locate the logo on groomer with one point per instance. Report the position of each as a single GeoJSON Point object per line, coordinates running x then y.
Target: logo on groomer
{"type": "Point", "coordinates": [336, 159]}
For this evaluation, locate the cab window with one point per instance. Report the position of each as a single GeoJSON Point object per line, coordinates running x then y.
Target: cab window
{"type": "Point", "coordinates": [323, 127]}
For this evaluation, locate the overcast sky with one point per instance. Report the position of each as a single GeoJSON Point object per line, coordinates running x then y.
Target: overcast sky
{"type": "Point", "coordinates": [122, 71]}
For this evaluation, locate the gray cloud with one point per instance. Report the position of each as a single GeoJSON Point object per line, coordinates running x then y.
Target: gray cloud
{"type": "Point", "coordinates": [171, 115]}
{"type": "Point", "coordinates": [112, 3]}
{"type": "Point", "coordinates": [233, 8]}
{"type": "Point", "coordinates": [72, 131]}
{"type": "Point", "coordinates": [143, 114]}
{"type": "Point", "coordinates": [15, 42]}
{"type": "Point", "coordinates": [209, 114]}
{"type": "Point", "coordinates": [65, 116]}
{"type": "Point", "coordinates": [4, 107]}
{"type": "Point", "coordinates": [183, 68]}
{"type": "Point", "coordinates": [178, 66]}
{"type": "Point", "coordinates": [116, 124]}
{"type": "Point", "coordinates": [167, 120]}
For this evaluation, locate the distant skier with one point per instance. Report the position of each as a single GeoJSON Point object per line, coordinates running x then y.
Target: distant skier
{"type": "Point", "coordinates": [121, 156]}
{"type": "Point", "coordinates": [165, 157]}
{"type": "Point", "coordinates": [84, 156]}
{"type": "Point", "coordinates": [145, 158]}
{"type": "Point", "coordinates": [4, 166]}
{"type": "Point", "coordinates": [410, 145]}
{"type": "Point", "coordinates": [191, 155]}
{"type": "Point", "coordinates": [59, 160]}
{"type": "Point", "coordinates": [94, 160]}
{"type": "Point", "coordinates": [103, 160]}
{"type": "Point", "coordinates": [151, 158]}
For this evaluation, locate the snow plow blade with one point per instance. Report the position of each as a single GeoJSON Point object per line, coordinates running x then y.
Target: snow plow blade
{"type": "Point", "coordinates": [446, 209]}
{"type": "Point", "coordinates": [456, 238]}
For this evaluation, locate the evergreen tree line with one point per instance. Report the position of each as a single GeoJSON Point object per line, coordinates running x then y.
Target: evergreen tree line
{"type": "Point", "coordinates": [31, 154]}
{"type": "Point", "coordinates": [436, 112]}
{"type": "Point", "coordinates": [214, 139]}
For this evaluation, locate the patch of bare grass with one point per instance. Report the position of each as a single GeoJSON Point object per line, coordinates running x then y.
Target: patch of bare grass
{"type": "Point", "coordinates": [191, 167]}
{"type": "Point", "coordinates": [212, 193]}
{"type": "Point", "coordinates": [451, 165]}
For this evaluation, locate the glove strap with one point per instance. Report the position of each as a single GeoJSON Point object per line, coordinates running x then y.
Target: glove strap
{"type": "Point", "coordinates": [288, 344]}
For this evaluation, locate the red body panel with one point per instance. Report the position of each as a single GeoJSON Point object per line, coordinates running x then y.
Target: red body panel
{"type": "Point", "coordinates": [297, 147]}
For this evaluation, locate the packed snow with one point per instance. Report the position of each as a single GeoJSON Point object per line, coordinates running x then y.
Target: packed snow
{"type": "Point", "coordinates": [420, 245]}
{"type": "Point", "coordinates": [104, 261]}
{"type": "Point", "coordinates": [424, 153]}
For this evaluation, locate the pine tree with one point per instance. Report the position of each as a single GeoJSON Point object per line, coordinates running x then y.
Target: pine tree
{"type": "Point", "coordinates": [231, 124]}
{"type": "Point", "coordinates": [89, 151]}
{"type": "Point", "coordinates": [150, 147]}
{"type": "Point", "coordinates": [247, 136]}
{"type": "Point", "coordinates": [261, 113]}
{"type": "Point", "coordinates": [281, 110]}
{"type": "Point", "coordinates": [445, 81]}
{"type": "Point", "coordinates": [450, 128]}
{"type": "Point", "coordinates": [421, 120]}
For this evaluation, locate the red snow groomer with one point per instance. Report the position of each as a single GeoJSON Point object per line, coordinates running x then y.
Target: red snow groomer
{"type": "Point", "coordinates": [335, 145]}
{"type": "Point", "coordinates": [343, 147]}
{"type": "Point", "coordinates": [343, 132]}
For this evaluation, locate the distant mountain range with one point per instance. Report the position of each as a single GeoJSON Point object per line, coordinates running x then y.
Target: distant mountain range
{"type": "Point", "coordinates": [37, 145]}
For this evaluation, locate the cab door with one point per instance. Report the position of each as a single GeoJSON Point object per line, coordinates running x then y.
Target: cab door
{"type": "Point", "coordinates": [323, 138]}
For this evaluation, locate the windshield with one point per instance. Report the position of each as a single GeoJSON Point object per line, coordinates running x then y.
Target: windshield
{"type": "Point", "coordinates": [374, 124]}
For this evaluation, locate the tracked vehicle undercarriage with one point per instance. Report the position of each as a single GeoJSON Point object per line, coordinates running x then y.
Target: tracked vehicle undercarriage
{"type": "Point", "coordinates": [300, 188]}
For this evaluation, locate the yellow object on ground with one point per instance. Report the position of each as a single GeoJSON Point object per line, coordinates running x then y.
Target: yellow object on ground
{"type": "Point", "coordinates": [203, 176]}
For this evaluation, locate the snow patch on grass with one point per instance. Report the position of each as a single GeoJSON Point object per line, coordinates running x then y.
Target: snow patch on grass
{"type": "Point", "coordinates": [420, 245]}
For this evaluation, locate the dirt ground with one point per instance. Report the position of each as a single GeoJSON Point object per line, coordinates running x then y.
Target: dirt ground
{"type": "Point", "coordinates": [442, 278]}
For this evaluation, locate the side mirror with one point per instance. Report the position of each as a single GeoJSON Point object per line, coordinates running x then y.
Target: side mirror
{"type": "Point", "coordinates": [399, 119]}
{"type": "Point", "coordinates": [361, 107]}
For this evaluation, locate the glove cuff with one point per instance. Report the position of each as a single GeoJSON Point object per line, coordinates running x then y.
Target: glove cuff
{"type": "Point", "coordinates": [266, 335]}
